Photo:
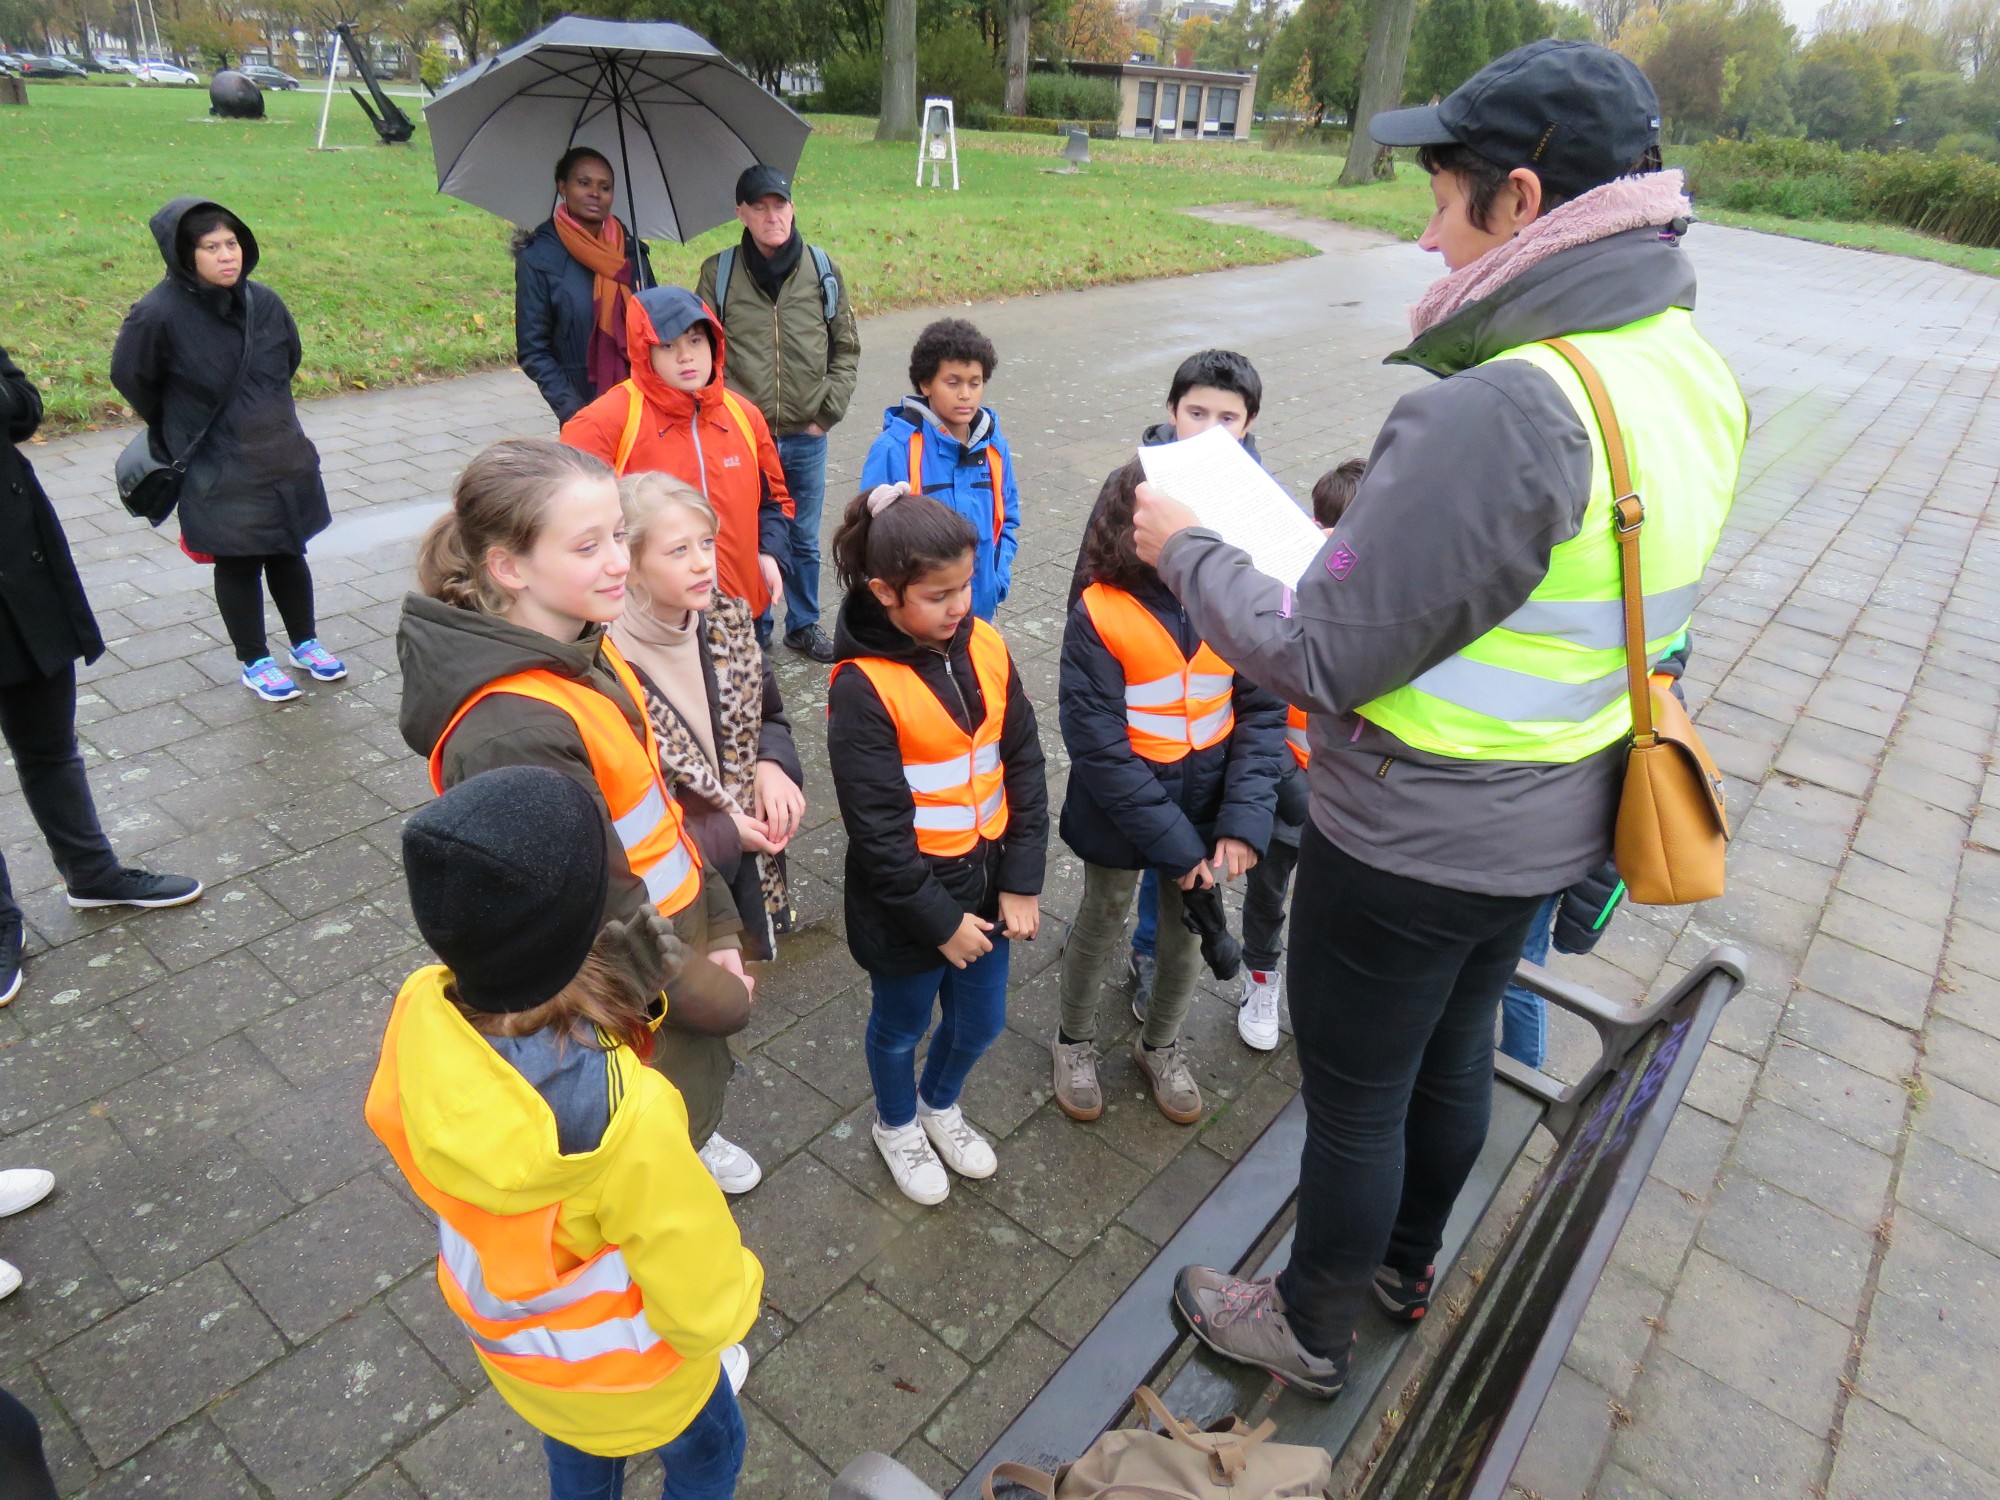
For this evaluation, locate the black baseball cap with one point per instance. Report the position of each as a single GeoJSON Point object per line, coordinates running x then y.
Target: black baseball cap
{"type": "Point", "coordinates": [1577, 114]}
{"type": "Point", "coordinates": [761, 181]}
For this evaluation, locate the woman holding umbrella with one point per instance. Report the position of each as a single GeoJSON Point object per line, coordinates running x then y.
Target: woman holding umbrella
{"type": "Point", "coordinates": [572, 280]}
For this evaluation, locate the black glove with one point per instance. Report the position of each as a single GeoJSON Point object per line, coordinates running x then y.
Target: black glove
{"type": "Point", "coordinates": [647, 948]}
{"type": "Point", "coordinates": [1586, 909]}
{"type": "Point", "coordinates": [1202, 914]}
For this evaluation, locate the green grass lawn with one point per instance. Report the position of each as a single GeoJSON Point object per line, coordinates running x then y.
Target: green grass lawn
{"type": "Point", "coordinates": [392, 283]}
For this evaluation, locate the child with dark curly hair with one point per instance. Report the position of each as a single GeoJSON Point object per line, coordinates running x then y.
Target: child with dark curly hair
{"type": "Point", "coordinates": [944, 442]}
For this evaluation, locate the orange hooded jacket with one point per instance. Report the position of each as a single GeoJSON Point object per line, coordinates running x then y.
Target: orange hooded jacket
{"type": "Point", "coordinates": [714, 440]}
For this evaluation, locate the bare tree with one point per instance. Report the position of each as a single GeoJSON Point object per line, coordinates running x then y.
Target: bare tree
{"type": "Point", "coordinates": [1381, 85]}
{"type": "Point", "coordinates": [898, 118]}
{"type": "Point", "coordinates": [1018, 19]}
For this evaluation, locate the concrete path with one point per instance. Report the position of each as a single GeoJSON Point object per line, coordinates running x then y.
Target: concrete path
{"type": "Point", "coordinates": [230, 1292]}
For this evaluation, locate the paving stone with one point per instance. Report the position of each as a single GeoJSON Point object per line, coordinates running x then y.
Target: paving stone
{"type": "Point", "coordinates": [76, 978]}
{"type": "Point", "coordinates": [847, 1147]}
{"type": "Point", "coordinates": [1658, 1231]}
{"type": "Point", "coordinates": [483, 1451]}
{"type": "Point", "coordinates": [1801, 1250]}
{"type": "Point", "coordinates": [893, 1376]}
{"type": "Point", "coordinates": [1882, 1455]}
{"type": "Point", "coordinates": [185, 1106]}
{"type": "Point", "coordinates": [316, 1139]}
{"type": "Point", "coordinates": [1971, 1059]}
{"type": "Point", "coordinates": [824, 1047]}
{"type": "Point", "coordinates": [1234, 1129]}
{"type": "Point", "coordinates": [420, 1307]}
{"type": "Point", "coordinates": [1917, 1366]}
{"type": "Point", "coordinates": [1960, 1283]}
{"type": "Point", "coordinates": [1975, 947]}
{"type": "Point", "coordinates": [68, 1460]}
{"type": "Point", "coordinates": [228, 917]}
{"type": "Point", "coordinates": [776, 1466]}
{"type": "Point", "coordinates": [1096, 1280]}
{"type": "Point", "coordinates": [63, 1289]}
{"type": "Point", "coordinates": [1965, 1123]}
{"type": "Point", "coordinates": [1568, 1440]}
{"type": "Point", "coordinates": [1857, 1104]}
{"type": "Point", "coordinates": [67, 1065]}
{"type": "Point", "coordinates": [1610, 1346]}
{"type": "Point", "coordinates": [311, 1425]}
{"type": "Point", "coordinates": [1698, 1438]}
{"type": "Point", "coordinates": [966, 1273]}
{"type": "Point", "coordinates": [980, 1409]}
{"type": "Point", "coordinates": [1812, 1162]}
{"type": "Point", "coordinates": [812, 1230]}
{"type": "Point", "coordinates": [1011, 1082]}
{"type": "Point", "coordinates": [929, 1465]}
{"type": "Point", "coordinates": [384, 1484]}
{"type": "Point", "coordinates": [326, 875]}
{"type": "Point", "coordinates": [151, 1223]}
{"type": "Point", "coordinates": [1721, 1084]}
{"type": "Point", "coordinates": [198, 1338]}
{"type": "Point", "coordinates": [190, 1463]}
{"type": "Point", "coordinates": [314, 1040]}
{"type": "Point", "coordinates": [1164, 1204]}
{"type": "Point", "coordinates": [202, 1005]}
{"type": "Point", "coordinates": [1856, 1038]}
{"type": "Point", "coordinates": [1060, 1183]}
{"type": "Point", "coordinates": [1692, 1152]}
{"type": "Point", "coordinates": [772, 1112]}
{"type": "Point", "coordinates": [1970, 997]}
{"type": "Point", "coordinates": [317, 953]}
{"type": "Point", "coordinates": [1758, 1340]}
{"type": "Point", "coordinates": [1867, 981]}
{"type": "Point", "coordinates": [1959, 1194]}
{"type": "Point", "coordinates": [319, 1264]}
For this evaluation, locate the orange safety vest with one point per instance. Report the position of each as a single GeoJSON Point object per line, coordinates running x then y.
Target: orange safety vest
{"type": "Point", "coordinates": [644, 815]}
{"type": "Point", "coordinates": [1173, 704]}
{"type": "Point", "coordinates": [1295, 737]}
{"type": "Point", "coordinates": [956, 780]}
{"type": "Point", "coordinates": [992, 467]}
{"type": "Point", "coordinates": [577, 1328]}
{"type": "Point", "coordinates": [630, 436]}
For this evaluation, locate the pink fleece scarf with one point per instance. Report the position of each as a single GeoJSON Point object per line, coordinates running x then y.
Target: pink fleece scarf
{"type": "Point", "coordinates": [1643, 202]}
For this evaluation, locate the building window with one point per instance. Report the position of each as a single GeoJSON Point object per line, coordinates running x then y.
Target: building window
{"type": "Point", "coordinates": [1191, 111]}
{"type": "Point", "coordinates": [1227, 117]}
{"type": "Point", "coordinates": [1211, 119]}
{"type": "Point", "coordinates": [1170, 100]}
{"type": "Point", "coordinates": [1144, 120]}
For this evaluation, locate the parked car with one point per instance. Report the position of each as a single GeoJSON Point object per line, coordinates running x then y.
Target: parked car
{"type": "Point", "coordinates": [88, 63]}
{"type": "Point", "coordinates": [33, 65]}
{"type": "Point", "coordinates": [124, 65]}
{"type": "Point", "coordinates": [152, 71]}
{"type": "Point", "coordinates": [10, 65]}
{"type": "Point", "coordinates": [267, 77]}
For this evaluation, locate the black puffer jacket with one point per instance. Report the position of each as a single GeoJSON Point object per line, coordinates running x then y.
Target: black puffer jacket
{"type": "Point", "coordinates": [1130, 814]}
{"type": "Point", "coordinates": [902, 903]}
{"type": "Point", "coordinates": [254, 486]}
{"type": "Point", "coordinates": [45, 621]}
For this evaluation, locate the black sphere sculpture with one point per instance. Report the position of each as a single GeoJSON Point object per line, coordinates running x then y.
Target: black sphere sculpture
{"type": "Point", "coordinates": [234, 97]}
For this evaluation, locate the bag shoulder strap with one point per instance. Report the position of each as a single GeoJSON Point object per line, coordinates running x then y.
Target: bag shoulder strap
{"type": "Point", "coordinates": [829, 284]}
{"type": "Point", "coordinates": [1033, 1480]}
{"type": "Point", "coordinates": [235, 382]}
{"type": "Point", "coordinates": [725, 266]}
{"type": "Point", "coordinates": [1629, 517]}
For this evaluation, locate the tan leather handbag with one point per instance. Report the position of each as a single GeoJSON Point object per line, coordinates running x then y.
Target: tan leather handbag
{"type": "Point", "coordinates": [1673, 827]}
{"type": "Point", "coordinates": [1180, 1462]}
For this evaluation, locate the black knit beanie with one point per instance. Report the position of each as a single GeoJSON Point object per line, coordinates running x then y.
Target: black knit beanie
{"type": "Point", "coordinates": [508, 879]}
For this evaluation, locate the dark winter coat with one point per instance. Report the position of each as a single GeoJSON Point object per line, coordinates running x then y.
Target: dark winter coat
{"type": "Point", "coordinates": [45, 621]}
{"type": "Point", "coordinates": [901, 903]}
{"type": "Point", "coordinates": [1130, 814]}
{"type": "Point", "coordinates": [254, 486]}
{"type": "Point", "coordinates": [554, 313]}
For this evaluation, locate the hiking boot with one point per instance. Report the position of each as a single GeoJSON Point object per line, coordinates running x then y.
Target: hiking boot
{"type": "Point", "coordinates": [141, 888]}
{"type": "Point", "coordinates": [268, 681]}
{"type": "Point", "coordinates": [311, 656]}
{"type": "Point", "coordinates": [1403, 1297]}
{"type": "Point", "coordinates": [1257, 1020]}
{"type": "Point", "coordinates": [734, 1169]}
{"type": "Point", "coordinates": [1077, 1093]}
{"type": "Point", "coordinates": [811, 642]}
{"type": "Point", "coordinates": [1167, 1074]}
{"type": "Point", "coordinates": [915, 1166]}
{"type": "Point", "coordinates": [10, 959]}
{"type": "Point", "coordinates": [1138, 982]}
{"type": "Point", "coordinates": [1245, 1321]}
{"type": "Point", "coordinates": [957, 1144]}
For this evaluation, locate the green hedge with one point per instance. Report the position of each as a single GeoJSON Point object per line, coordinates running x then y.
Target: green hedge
{"type": "Point", "coordinates": [1100, 130]}
{"type": "Point", "coordinates": [1954, 195]}
{"type": "Point", "coordinates": [1071, 96]}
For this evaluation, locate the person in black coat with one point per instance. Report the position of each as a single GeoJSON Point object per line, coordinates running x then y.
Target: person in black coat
{"type": "Point", "coordinates": [45, 625]}
{"type": "Point", "coordinates": [253, 496]}
{"type": "Point", "coordinates": [569, 315]}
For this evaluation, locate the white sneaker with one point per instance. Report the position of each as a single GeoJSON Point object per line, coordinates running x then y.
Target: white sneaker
{"type": "Point", "coordinates": [734, 1169]}
{"type": "Point", "coordinates": [963, 1149]}
{"type": "Point", "coordinates": [10, 1280]}
{"type": "Point", "coordinates": [915, 1166]}
{"type": "Point", "coordinates": [24, 1187]}
{"type": "Point", "coordinates": [1257, 1020]}
{"type": "Point", "coordinates": [736, 1365]}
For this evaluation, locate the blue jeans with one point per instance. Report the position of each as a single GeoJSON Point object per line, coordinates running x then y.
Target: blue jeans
{"type": "Point", "coordinates": [701, 1464]}
{"type": "Point", "coordinates": [973, 1001]}
{"type": "Point", "coordinates": [1146, 935]}
{"type": "Point", "coordinates": [804, 459]}
{"type": "Point", "coordinates": [1524, 1015]}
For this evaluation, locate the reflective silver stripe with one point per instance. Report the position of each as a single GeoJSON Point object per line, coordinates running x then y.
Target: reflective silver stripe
{"type": "Point", "coordinates": [992, 804]}
{"type": "Point", "coordinates": [607, 1273]}
{"type": "Point", "coordinates": [1208, 684]}
{"type": "Point", "coordinates": [1155, 694]}
{"type": "Point", "coordinates": [936, 776]}
{"type": "Point", "coordinates": [665, 877]}
{"type": "Point", "coordinates": [1165, 726]}
{"type": "Point", "coordinates": [986, 759]}
{"type": "Point", "coordinates": [1297, 738]}
{"type": "Point", "coordinates": [633, 828]}
{"type": "Point", "coordinates": [614, 1335]}
{"type": "Point", "coordinates": [1600, 623]}
{"type": "Point", "coordinates": [1209, 724]}
{"type": "Point", "coordinates": [946, 820]}
{"type": "Point", "coordinates": [1502, 693]}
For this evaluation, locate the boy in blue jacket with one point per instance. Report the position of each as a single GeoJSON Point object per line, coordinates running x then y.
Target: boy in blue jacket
{"type": "Point", "coordinates": [944, 443]}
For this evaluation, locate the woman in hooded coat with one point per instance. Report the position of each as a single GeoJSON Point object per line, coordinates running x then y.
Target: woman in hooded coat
{"type": "Point", "coordinates": [253, 496]}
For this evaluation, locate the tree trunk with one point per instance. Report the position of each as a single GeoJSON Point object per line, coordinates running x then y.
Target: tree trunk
{"type": "Point", "coordinates": [1017, 56]}
{"type": "Point", "coordinates": [898, 118]}
{"type": "Point", "coordinates": [1381, 84]}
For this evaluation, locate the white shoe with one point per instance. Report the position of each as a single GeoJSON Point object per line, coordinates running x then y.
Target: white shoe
{"type": "Point", "coordinates": [915, 1166]}
{"type": "Point", "coordinates": [734, 1169]}
{"type": "Point", "coordinates": [1257, 1020]}
{"type": "Point", "coordinates": [10, 1280]}
{"type": "Point", "coordinates": [963, 1149]}
{"type": "Point", "coordinates": [736, 1365]}
{"type": "Point", "coordinates": [24, 1187]}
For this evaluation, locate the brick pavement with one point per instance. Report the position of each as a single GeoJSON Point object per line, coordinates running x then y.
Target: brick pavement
{"type": "Point", "coordinates": [229, 1295]}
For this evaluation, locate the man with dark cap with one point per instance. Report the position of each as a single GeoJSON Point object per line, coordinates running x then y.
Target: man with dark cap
{"type": "Point", "coordinates": [1466, 694]}
{"type": "Point", "coordinates": [793, 351]}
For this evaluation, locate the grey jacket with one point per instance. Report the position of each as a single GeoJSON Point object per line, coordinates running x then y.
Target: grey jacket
{"type": "Point", "coordinates": [1471, 485]}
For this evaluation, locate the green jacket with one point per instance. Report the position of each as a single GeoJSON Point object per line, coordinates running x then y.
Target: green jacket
{"type": "Point", "coordinates": [786, 358]}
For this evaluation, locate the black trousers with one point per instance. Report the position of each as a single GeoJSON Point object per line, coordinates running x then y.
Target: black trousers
{"type": "Point", "coordinates": [38, 718]}
{"type": "Point", "coordinates": [1394, 988]}
{"type": "Point", "coordinates": [1267, 886]}
{"type": "Point", "coordinates": [239, 594]}
{"type": "Point", "coordinates": [24, 1473]}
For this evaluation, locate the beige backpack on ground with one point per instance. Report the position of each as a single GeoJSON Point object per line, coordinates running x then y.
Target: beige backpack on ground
{"type": "Point", "coordinates": [1180, 1463]}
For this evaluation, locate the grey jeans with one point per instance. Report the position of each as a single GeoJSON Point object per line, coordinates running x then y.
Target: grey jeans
{"type": "Point", "coordinates": [1098, 933]}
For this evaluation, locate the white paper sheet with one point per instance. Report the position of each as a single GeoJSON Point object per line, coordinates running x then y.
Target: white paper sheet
{"type": "Point", "coordinates": [1214, 477]}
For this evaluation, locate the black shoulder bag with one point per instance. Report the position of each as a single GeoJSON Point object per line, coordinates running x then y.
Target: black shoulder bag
{"type": "Point", "coordinates": [151, 489]}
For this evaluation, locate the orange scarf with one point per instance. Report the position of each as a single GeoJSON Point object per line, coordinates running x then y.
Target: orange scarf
{"type": "Point", "coordinates": [604, 257]}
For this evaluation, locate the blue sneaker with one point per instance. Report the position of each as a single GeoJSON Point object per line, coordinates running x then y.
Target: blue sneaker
{"type": "Point", "coordinates": [311, 656]}
{"type": "Point", "coordinates": [268, 681]}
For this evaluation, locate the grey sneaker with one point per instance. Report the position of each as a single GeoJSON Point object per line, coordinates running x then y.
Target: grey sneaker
{"type": "Point", "coordinates": [1077, 1093]}
{"type": "Point", "coordinates": [1166, 1072]}
{"type": "Point", "coordinates": [1138, 982]}
{"type": "Point", "coordinates": [1245, 1321]}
